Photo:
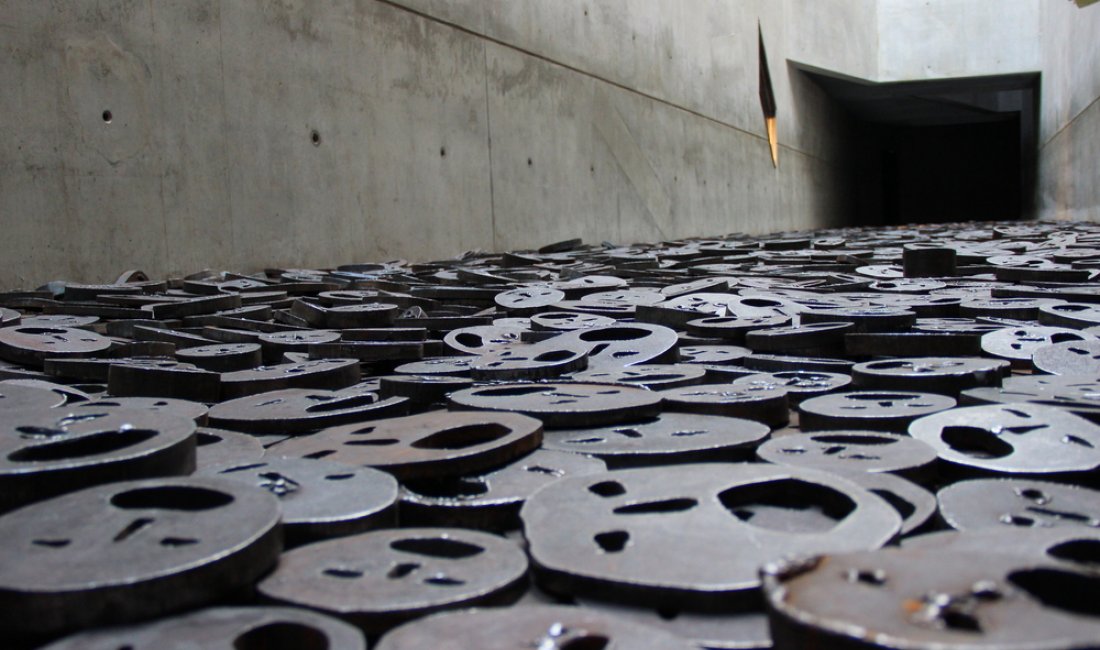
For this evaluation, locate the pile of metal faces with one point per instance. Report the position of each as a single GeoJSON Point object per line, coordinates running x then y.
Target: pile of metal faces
{"type": "Point", "coordinates": [857, 438]}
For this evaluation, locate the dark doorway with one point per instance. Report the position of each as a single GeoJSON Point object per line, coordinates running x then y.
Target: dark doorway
{"type": "Point", "coordinates": [939, 151]}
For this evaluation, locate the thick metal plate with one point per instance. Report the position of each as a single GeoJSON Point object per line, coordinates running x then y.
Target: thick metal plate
{"type": "Point", "coordinates": [943, 375]}
{"type": "Point", "coordinates": [850, 451]}
{"type": "Point", "coordinates": [710, 631]}
{"type": "Point", "coordinates": [800, 384]}
{"type": "Point", "coordinates": [156, 546]}
{"type": "Point", "coordinates": [667, 439]}
{"type": "Point", "coordinates": [1069, 358]}
{"type": "Point", "coordinates": [218, 447]}
{"type": "Point", "coordinates": [1018, 503]}
{"type": "Point", "coordinates": [226, 628]}
{"type": "Point", "coordinates": [561, 405]}
{"type": "Point", "coordinates": [653, 376]}
{"type": "Point", "coordinates": [626, 536]}
{"type": "Point", "coordinates": [539, 627]}
{"type": "Point", "coordinates": [767, 404]}
{"type": "Point", "coordinates": [47, 452]}
{"type": "Point", "coordinates": [489, 501]}
{"type": "Point", "coordinates": [434, 444]}
{"type": "Point", "coordinates": [325, 374]}
{"type": "Point", "coordinates": [30, 345]}
{"type": "Point", "coordinates": [297, 410]}
{"type": "Point", "coordinates": [383, 578]}
{"type": "Point", "coordinates": [869, 410]}
{"type": "Point", "coordinates": [320, 498]}
{"type": "Point", "coordinates": [15, 397]}
{"type": "Point", "coordinates": [923, 599]}
{"type": "Point", "coordinates": [156, 405]}
{"type": "Point", "coordinates": [1021, 438]}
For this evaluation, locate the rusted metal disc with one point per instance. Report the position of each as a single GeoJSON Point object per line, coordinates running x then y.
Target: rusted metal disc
{"type": "Point", "coordinates": [482, 338]}
{"type": "Point", "coordinates": [1018, 503]}
{"type": "Point", "coordinates": [543, 627]}
{"type": "Point", "coordinates": [383, 578]}
{"type": "Point", "coordinates": [225, 628]}
{"type": "Point", "coordinates": [561, 405]}
{"type": "Point", "coordinates": [130, 551]}
{"type": "Point", "coordinates": [924, 599]}
{"type": "Point", "coordinates": [489, 501]}
{"type": "Point", "coordinates": [325, 374]}
{"type": "Point", "coordinates": [1021, 439]}
{"type": "Point", "coordinates": [157, 405]}
{"type": "Point", "coordinates": [320, 498]}
{"type": "Point", "coordinates": [30, 345]}
{"type": "Point", "coordinates": [849, 451]}
{"type": "Point", "coordinates": [943, 375]}
{"type": "Point", "coordinates": [627, 537]}
{"type": "Point", "coordinates": [800, 384]}
{"type": "Point", "coordinates": [766, 404]}
{"type": "Point", "coordinates": [540, 361]}
{"type": "Point", "coordinates": [734, 328]}
{"type": "Point", "coordinates": [297, 410]}
{"type": "Point", "coordinates": [667, 439]}
{"type": "Point", "coordinates": [439, 366]}
{"type": "Point", "coordinates": [47, 452]}
{"type": "Point", "coordinates": [653, 376]}
{"type": "Point", "coordinates": [565, 321]}
{"type": "Point", "coordinates": [224, 357]}
{"type": "Point", "coordinates": [869, 410]}
{"type": "Point", "coordinates": [434, 444]}
{"type": "Point", "coordinates": [623, 344]}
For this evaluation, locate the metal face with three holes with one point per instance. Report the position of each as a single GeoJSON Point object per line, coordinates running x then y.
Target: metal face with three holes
{"type": "Point", "coordinates": [1018, 503]}
{"type": "Point", "coordinates": [383, 578]}
{"type": "Point", "coordinates": [850, 451]}
{"type": "Point", "coordinates": [433, 444]}
{"type": "Point", "coordinates": [625, 540]}
{"type": "Point", "coordinates": [561, 405]}
{"type": "Point", "coordinates": [297, 410]}
{"type": "Point", "coordinates": [869, 410]}
{"type": "Point", "coordinates": [539, 627]}
{"type": "Point", "coordinates": [160, 545]}
{"type": "Point", "coordinates": [922, 598]}
{"type": "Point", "coordinates": [225, 628]}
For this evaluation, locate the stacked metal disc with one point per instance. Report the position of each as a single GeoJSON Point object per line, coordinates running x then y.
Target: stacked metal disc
{"type": "Point", "coordinates": [858, 438]}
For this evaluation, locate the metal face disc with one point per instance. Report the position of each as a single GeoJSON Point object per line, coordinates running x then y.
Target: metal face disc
{"type": "Point", "coordinates": [567, 320]}
{"type": "Point", "coordinates": [530, 626]}
{"type": "Point", "coordinates": [712, 631]}
{"type": "Point", "coordinates": [383, 578]}
{"type": "Point", "coordinates": [561, 405]}
{"type": "Point", "coordinates": [158, 545]}
{"type": "Point", "coordinates": [800, 384]}
{"type": "Point", "coordinates": [439, 366]}
{"type": "Point", "coordinates": [924, 599]}
{"type": "Point", "coordinates": [295, 410]}
{"type": "Point", "coordinates": [47, 452]}
{"type": "Point", "coordinates": [481, 339]}
{"type": "Point", "coordinates": [489, 501]}
{"type": "Point", "coordinates": [654, 377]}
{"type": "Point", "coordinates": [627, 537]}
{"type": "Point", "coordinates": [324, 374]}
{"type": "Point", "coordinates": [14, 397]}
{"type": "Point", "coordinates": [434, 444]}
{"type": "Point", "coordinates": [667, 439]}
{"type": "Point", "coordinates": [225, 628]}
{"type": "Point", "coordinates": [1070, 358]}
{"type": "Point", "coordinates": [624, 344]}
{"type": "Point", "coordinates": [1018, 438]}
{"type": "Point", "coordinates": [320, 498]}
{"type": "Point", "coordinates": [1018, 503]}
{"type": "Point", "coordinates": [869, 410]}
{"type": "Point", "coordinates": [31, 345]}
{"type": "Point", "coordinates": [762, 403]}
{"type": "Point", "coordinates": [1018, 344]}
{"type": "Point", "coordinates": [849, 451]}
{"type": "Point", "coordinates": [942, 375]}
{"type": "Point", "coordinates": [1076, 548]}
{"type": "Point", "coordinates": [196, 411]}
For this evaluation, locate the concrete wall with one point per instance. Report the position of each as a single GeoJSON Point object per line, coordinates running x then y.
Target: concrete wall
{"type": "Point", "coordinates": [443, 126]}
{"type": "Point", "coordinates": [1069, 127]}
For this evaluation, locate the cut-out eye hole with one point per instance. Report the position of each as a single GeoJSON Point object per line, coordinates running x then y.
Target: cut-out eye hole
{"type": "Point", "coordinates": [607, 489]}
{"type": "Point", "coordinates": [176, 542]}
{"type": "Point", "coordinates": [975, 442]}
{"type": "Point", "coordinates": [184, 498]}
{"type": "Point", "coordinates": [538, 469]}
{"type": "Point", "coordinates": [613, 541]}
{"type": "Point", "coordinates": [242, 468]}
{"type": "Point", "coordinates": [854, 440]}
{"type": "Point", "coordinates": [463, 437]}
{"type": "Point", "coordinates": [441, 580]}
{"type": "Point", "coordinates": [1069, 591]}
{"type": "Point", "coordinates": [587, 642]}
{"type": "Point", "coordinates": [440, 547]}
{"type": "Point", "coordinates": [401, 570]}
{"type": "Point", "coordinates": [346, 574]}
{"type": "Point", "coordinates": [629, 433]}
{"type": "Point", "coordinates": [52, 543]}
{"type": "Point", "coordinates": [788, 505]}
{"type": "Point", "coordinates": [95, 444]}
{"type": "Point", "coordinates": [657, 507]}
{"type": "Point", "coordinates": [321, 454]}
{"type": "Point", "coordinates": [1076, 440]}
{"type": "Point", "coordinates": [339, 477]}
{"type": "Point", "coordinates": [1079, 551]}
{"type": "Point", "coordinates": [1033, 494]}
{"type": "Point", "coordinates": [1017, 520]}
{"type": "Point", "coordinates": [377, 442]}
{"type": "Point", "coordinates": [875, 578]}
{"type": "Point", "coordinates": [281, 636]}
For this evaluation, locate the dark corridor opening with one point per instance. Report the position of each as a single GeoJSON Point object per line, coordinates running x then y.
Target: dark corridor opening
{"type": "Point", "coordinates": [938, 151]}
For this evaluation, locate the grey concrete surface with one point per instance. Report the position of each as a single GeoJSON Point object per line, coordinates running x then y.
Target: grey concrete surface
{"type": "Point", "coordinates": [640, 119]}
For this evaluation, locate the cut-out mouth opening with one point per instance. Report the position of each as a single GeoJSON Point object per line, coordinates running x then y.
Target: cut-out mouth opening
{"type": "Point", "coordinates": [788, 505]}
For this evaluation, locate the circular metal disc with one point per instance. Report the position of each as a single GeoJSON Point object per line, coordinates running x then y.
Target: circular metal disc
{"type": "Point", "coordinates": [539, 627]}
{"type": "Point", "coordinates": [225, 628]}
{"type": "Point", "coordinates": [561, 405]}
{"type": "Point", "coordinates": [218, 447]}
{"type": "Point", "coordinates": [763, 403]}
{"type": "Point", "coordinates": [668, 438]}
{"type": "Point", "coordinates": [869, 410]}
{"type": "Point", "coordinates": [692, 535]}
{"type": "Point", "coordinates": [1018, 503]}
{"type": "Point", "coordinates": [800, 384]}
{"type": "Point", "coordinates": [652, 376]}
{"type": "Point", "coordinates": [155, 546]}
{"type": "Point", "coordinates": [1070, 358]}
{"type": "Point", "coordinates": [380, 579]}
{"type": "Point", "coordinates": [849, 451]}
